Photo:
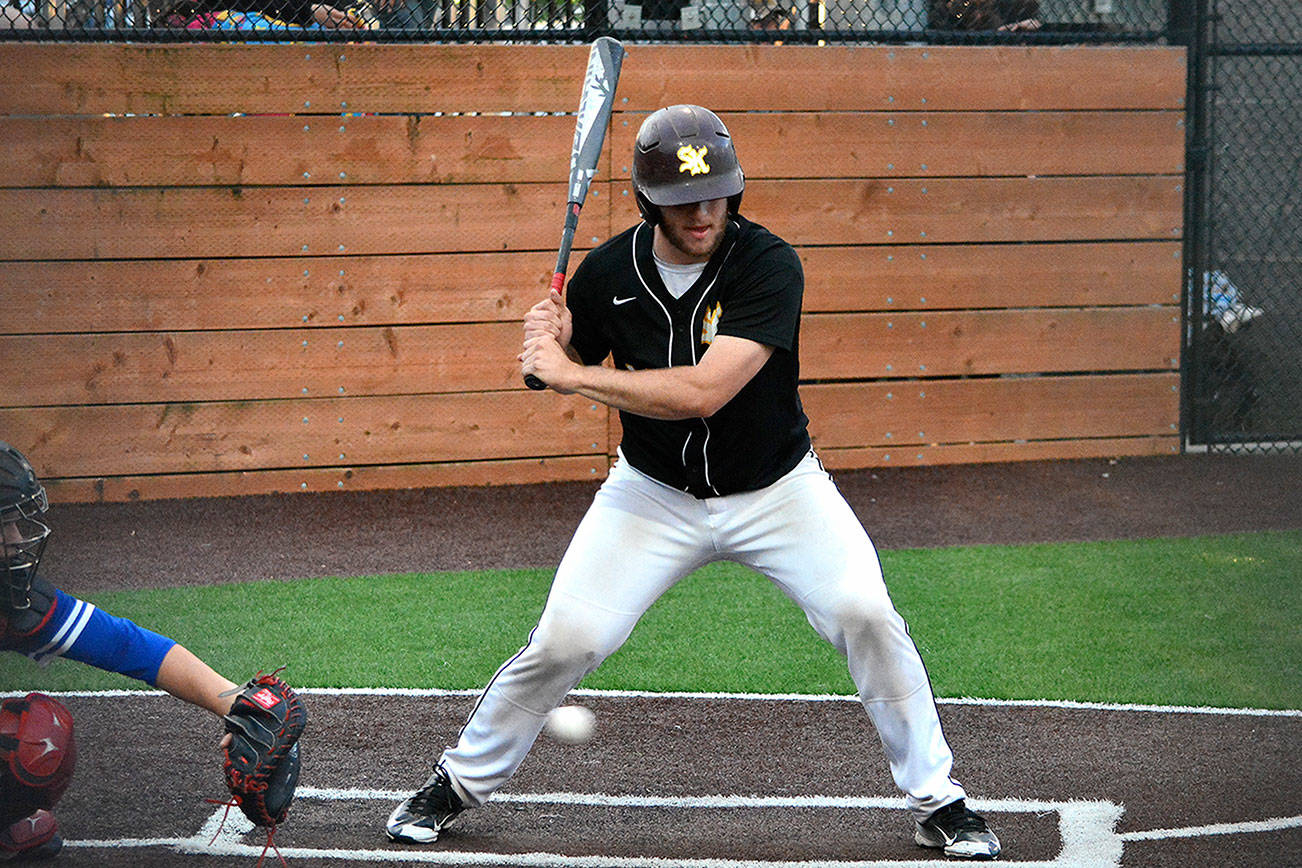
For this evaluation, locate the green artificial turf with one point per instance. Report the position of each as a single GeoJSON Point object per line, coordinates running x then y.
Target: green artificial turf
{"type": "Point", "coordinates": [1201, 621]}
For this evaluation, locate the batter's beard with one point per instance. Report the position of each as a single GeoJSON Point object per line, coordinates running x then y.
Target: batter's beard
{"type": "Point", "coordinates": [685, 244]}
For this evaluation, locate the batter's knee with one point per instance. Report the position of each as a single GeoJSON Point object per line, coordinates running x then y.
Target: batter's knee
{"type": "Point", "coordinates": [848, 613]}
{"type": "Point", "coordinates": [575, 643]}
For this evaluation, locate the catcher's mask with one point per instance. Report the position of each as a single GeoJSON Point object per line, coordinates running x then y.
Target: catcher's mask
{"type": "Point", "coordinates": [684, 154]}
{"type": "Point", "coordinates": [22, 502]}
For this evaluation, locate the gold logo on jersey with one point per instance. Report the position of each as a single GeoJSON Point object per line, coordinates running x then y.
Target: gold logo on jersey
{"type": "Point", "coordinates": [710, 325]}
{"type": "Point", "coordinates": [693, 160]}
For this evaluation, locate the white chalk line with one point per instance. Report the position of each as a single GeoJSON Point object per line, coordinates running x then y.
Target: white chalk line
{"type": "Point", "coordinates": [1086, 827]}
{"type": "Point", "coordinates": [1087, 830]}
{"type": "Point", "coordinates": [746, 697]}
{"type": "Point", "coordinates": [1275, 824]}
{"type": "Point", "coordinates": [550, 860]}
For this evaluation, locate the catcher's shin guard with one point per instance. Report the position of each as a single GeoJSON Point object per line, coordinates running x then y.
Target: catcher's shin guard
{"type": "Point", "coordinates": [30, 839]}
{"type": "Point", "coordinates": [38, 753]}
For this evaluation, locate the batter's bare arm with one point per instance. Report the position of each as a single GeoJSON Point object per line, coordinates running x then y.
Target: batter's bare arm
{"type": "Point", "coordinates": [686, 392]}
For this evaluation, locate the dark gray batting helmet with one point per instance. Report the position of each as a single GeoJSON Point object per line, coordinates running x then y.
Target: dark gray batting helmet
{"type": "Point", "coordinates": [684, 154]}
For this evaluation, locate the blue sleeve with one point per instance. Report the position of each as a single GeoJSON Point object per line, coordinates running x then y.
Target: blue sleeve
{"type": "Point", "coordinates": [80, 631]}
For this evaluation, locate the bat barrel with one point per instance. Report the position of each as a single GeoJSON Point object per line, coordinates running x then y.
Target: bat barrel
{"type": "Point", "coordinates": [605, 59]}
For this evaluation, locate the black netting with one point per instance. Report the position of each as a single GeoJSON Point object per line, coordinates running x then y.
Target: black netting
{"type": "Point", "coordinates": [1245, 376]}
{"type": "Point", "coordinates": [517, 20]}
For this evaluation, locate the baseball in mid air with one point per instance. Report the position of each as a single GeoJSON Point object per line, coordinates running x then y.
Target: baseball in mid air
{"type": "Point", "coordinates": [571, 724]}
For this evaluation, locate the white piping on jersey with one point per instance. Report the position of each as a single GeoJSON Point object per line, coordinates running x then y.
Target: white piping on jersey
{"type": "Point", "coordinates": [705, 444]}
{"type": "Point", "coordinates": [669, 360]}
{"type": "Point", "coordinates": [705, 456]}
{"type": "Point", "coordinates": [68, 633]}
{"type": "Point", "coordinates": [669, 355]}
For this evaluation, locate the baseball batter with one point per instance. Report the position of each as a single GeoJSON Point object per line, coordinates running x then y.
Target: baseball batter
{"type": "Point", "coordinates": [699, 308]}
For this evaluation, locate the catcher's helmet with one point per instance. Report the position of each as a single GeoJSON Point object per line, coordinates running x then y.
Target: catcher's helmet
{"type": "Point", "coordinates": [22, 501]}
{"type": "Point", "coordinates": [684, 154]}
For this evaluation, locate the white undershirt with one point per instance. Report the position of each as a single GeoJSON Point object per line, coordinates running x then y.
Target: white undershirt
{"type": "Point", "coordinates": [678, 278]}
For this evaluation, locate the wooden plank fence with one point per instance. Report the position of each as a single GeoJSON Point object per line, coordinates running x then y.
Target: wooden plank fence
{"type": "Point", "coordinates": [239, 269]}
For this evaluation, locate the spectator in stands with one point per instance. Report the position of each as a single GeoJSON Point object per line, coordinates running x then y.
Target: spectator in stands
{"type": "Point", "coordinates": [200, 14]}
{"type": "Point", "coordinates": [769, 14]}
{"type": "Point", "coordinates": [14, 18]}
{"type": "Point", "coordinates": [406, 14]}
{"type": "Point", "coordinates": [1228, 393]}
{"type": "Point", "coordinates": [1005, 15]}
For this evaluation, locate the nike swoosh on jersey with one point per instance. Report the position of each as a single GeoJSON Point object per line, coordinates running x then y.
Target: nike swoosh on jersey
{"type": "Point", "coordinates": [618, 300]}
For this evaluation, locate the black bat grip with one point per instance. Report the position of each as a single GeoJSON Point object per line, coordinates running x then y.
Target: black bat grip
{"type": "Point", "coordinates": [534, 383]}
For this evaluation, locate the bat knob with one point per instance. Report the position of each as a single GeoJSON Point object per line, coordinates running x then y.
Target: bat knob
{"type": "Point", "coordinates": [534, 383]}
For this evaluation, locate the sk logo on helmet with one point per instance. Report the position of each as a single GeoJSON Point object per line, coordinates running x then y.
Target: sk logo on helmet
{"type": "Point", "coordinates": [693, 160]}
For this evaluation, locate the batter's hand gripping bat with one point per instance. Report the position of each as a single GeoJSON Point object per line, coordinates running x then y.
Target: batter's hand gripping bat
{"type": "Point", "coordinates": [604, 61]}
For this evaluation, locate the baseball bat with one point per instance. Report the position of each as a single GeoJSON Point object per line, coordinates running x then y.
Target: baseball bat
{"type": "Point", "coordinates": [595, 102]}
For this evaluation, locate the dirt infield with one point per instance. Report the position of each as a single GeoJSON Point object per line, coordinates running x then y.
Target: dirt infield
{"type": "Point", "coordinates": [169, 543]}
{"type": "Point", "coordinates": [671, 780]}
{"type": "Point", "coordinates": [698, 782]}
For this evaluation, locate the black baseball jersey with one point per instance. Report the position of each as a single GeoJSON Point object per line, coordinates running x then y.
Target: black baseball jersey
{"type": "Point", "coordinates": [751, 288]}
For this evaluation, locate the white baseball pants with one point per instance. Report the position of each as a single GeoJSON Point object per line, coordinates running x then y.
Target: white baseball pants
{"type": "Point", "coordinates": [637, 540]}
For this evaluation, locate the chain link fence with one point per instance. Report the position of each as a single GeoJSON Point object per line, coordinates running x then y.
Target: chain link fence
{"type": "Point", "coordinates": [556, 20]}
{"type": "Point", "coordinates": [1244, 362]}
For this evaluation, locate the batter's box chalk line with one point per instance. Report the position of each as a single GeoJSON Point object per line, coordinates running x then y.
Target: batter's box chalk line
{"type": "Point", "coordinates": [1087, 828]}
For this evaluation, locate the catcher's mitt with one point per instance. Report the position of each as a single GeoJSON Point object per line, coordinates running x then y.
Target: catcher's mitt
{"type": "Point", "coordinates": [261, 761]}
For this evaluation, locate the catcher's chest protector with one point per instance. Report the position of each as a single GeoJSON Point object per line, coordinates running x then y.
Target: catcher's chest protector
{"type": "Point", "coordinates": [38, 753]}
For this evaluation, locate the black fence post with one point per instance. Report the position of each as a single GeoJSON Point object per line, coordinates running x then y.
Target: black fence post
{"type": "Point", "coordinates": [1187, 25]}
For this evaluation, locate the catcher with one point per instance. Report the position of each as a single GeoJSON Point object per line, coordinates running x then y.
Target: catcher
{"type": "Point", "coordinates": [263, 718]}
